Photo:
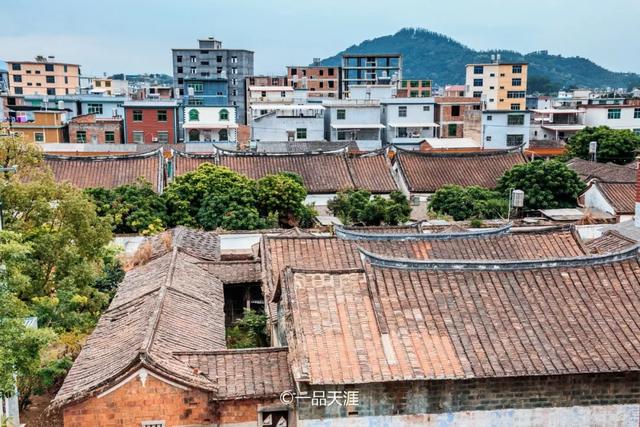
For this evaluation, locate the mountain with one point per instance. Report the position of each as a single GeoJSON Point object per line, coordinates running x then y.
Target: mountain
{"type": "Point", "coordinates": [427, 54]}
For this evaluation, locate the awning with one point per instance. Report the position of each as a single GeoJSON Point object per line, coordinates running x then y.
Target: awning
{"type": "Point", "coordinates": [359, 126]}
{"type": "Point", "coordinates": [205, 126]}
{"type": "Point", "coordinates": [563, 127]}
{"type": "Point", "coordinates": [414, 125]}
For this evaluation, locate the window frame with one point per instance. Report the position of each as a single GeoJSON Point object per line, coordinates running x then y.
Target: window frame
{"type": "Point", "coordinates": [38, 136]}
{"type": "Point", "coordinates": [165, 136]}
{"type": "Point", "coordinates": [301, 133]}
{"type": "Point", "coordinates": [93, 108]}
{"type": "Point", "coordinates": [83, 139]}
{"type": "Point", "coordinates": [519, 141]}
{"type": "Point", "coordinates": [223, 115]}
{"type": "Point", "coordinates": [614, 113]}
{"type": "Point", "coordinates": [136, 133]}
{"type": "Point", "coordinates": [341, 114]}
{"type": "Point", "coordinates": [137, 115]}
{"type": "Point", "coordinates": [160, 113]}
{"type": "Point", "coordinates": [109, 137]}
{"type": "Point", "coordinates": [402, 111]}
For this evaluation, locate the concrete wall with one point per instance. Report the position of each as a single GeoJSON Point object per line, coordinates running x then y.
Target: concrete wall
{"type": "Point", "coordinates": [594, 199]}
{"type": "Point", "coordinates": [598, 116]}
{"type": "Point", "coordinates": [274, 128]}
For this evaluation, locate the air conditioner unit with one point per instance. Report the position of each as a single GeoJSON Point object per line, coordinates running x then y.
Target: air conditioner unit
{"type": "Point", "coordinates": [154, 139]}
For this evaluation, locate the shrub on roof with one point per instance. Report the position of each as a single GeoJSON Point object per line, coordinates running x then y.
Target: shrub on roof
{"type": "Point", "coordinates": [463, 203]}
{"type": "Point", "coordinates": [358, 207]}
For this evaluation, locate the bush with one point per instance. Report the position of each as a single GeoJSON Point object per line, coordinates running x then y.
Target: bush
{"type": "Point", "coordinates": [462, 203]}
{"type": "Point", "coordinates": [248, 332]}
{"type": "Point", "coordinates": [358, 207]}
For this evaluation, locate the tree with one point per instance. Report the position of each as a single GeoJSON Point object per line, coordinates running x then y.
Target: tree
{"type": "Point", "coordinates": [614, 145]}
{"type": "Point", "coordinates": [546, 184]}
{"type": "Point", "coordinates": [248, 332]}
{"type": "Point", "coordinates": [463, 203]}
{"type": "Point", "coordinates": [14, 151]}
{"type": "Point", "coordinates": [131, 208]}
{"type": "Point", "coordinates": [358, 207]}
{"type": "Point", "coordinates": [283, 195]}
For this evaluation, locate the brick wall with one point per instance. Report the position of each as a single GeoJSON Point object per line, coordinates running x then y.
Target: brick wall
{"type": "Point", "coordinates": [134, 403]}
{"type": "Point", "coordinates": [241, 411]}
{"type": "Point", "coordinates": [97, 128]}
{"type": "Point", "coordinates": [434, 397]}
{"type": "Point", "coordinates": [149, 125]}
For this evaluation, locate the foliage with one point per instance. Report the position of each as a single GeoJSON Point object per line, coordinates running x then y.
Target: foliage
{"type": "Point", "coordinates": [614, 145]}
{"type": "Point", "coordinates": [249, 331]}
{"type": "Point", "coordinates": [462, 203]}
{"type": "Point", "coordinates": [214, 196]}
{"type": "Point", "coordinates": [132, 208]}
{"type": "Point", "coordinates": [358, 207]}
{"type": "Point", "coordinates": [14, 151]}
{"type": "Point", "coordinates": [442, 59]}
{"type": "Point", "coordinates": [546, 184]}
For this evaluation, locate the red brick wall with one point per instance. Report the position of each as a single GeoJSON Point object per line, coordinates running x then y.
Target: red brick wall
{"type": "Point", "coordinates": [150, 124]}
{"type": "Point", "coordinates": [315, 78]}
{"type": "Point", "coordinates": [132, 403]}
{"type": "Point", "coordinates": [92, 127]}
{"type": "Point", "coordinates": [242, 411]}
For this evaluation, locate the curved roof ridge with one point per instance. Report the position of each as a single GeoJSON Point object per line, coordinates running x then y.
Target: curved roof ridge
{"type": "Point", "coordinates": [496, 265]}
{"type": "Point", "coordinates": [485, 153]}
{"type": "Point", "coordinates": [346, 234]}
{"type": "Point", "coordinates": [48, 156]}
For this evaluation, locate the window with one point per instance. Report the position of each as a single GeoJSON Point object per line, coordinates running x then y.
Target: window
{"type": "Point", "coordinates": [109, 137]}
{"type": "Point", "coordinates": [152, 424]}
{"type": "Point", "coordinates": [51, 91]}
{"type": "Point", "coordinates": [516, 94]}
{"type": "Point", "coordinates": [477, 94]}
{"type": "Point", "coordinates": [162, 115]}
{"type": "Point", "coordinates": [224, 114]}
{"type": "Point", "coordinates": [51, 79]}
{"type": "Point", "coordinates": [331, 84]}
{"type": "Point", "coordinates": [193, 70]}
{"type": "Point", "coordinates": [194, 115]}
{"type": "Point", "coordinates": [455, 110]}
{"type": "Point", "coordinates": [65, 68]}
{"type": "Point", "coordinates": [17, 78]}
{"type": "Point", "coordinates": [426, 108]}
{"type": "Point", "coordinates": [301, 133]}
{"type": "Point", "coordinates": [516, 69]}
{"type": "Point", "coordinates": [613, 113]}
{"type": "Point", "coordinates": [204, 62]}
{"type": "Point", "coordinates": [636, 113]}
{"type": "Point", "coordinates": [17, 90]}
{"type": "Point", "coordinates": [263, 93]}
{"type": "Point", "coordinates": [48, 67]}
{"type": "Point", "coordinates": [94, 108]}
{"type": "Point", "coordinates": [219, 58]}
{"type": "Point", "coordinates": [402, 111]}
{"type": "Point", "coordinates": [515, 107]}
{"type": "Point", "coordinates": [514, 140]}
{"type": "Point", "coordinates": [492, 75]}
{"type": "Point", "coordinates": [223, 135]}
{"type": "Point", "coordinates": [15, 67]}
{"type": "Point", "coordinates": [163, 137]}
{"type": "Point", "coordinates": [404, 83]}
{"type": "Point", "coordinates": [283, 94]}
{"type": "Point", "coordinates": [330, 71]}
{"type": "Point", "coordinates": [478, 69]}
{"type": "Point", "coordinates": [39, 136]}
{"type": "Point", "coordinates": [98, 83]}
{"type": "Point", "coordinates": [137, 115]}
{"type": "Point", "coordinates": [489, 118]}
{"type": "Point", "coordinates": [66, 80]}
{"type": "Point", "coordinates": [515, 119]}
{"type": "Point", "coordinates": [452, 129]}
{"type": "Point", "coordinates": [414, 83]}
{"type": "Point", "coordinates": [179, 58]}
{"type": "Point", "coordinates": [477, 82]}
{"type": "Point", "coordinates": [426, 83]}
{"type": "Point", "coordinates": [414, 93]}
{"type": "Point", "coordinates": [180, 70]}
{"type": "Point", "coordinates": [402, 132]}
{"type": "Point", "coordinates": [425, 93]}
{"type": "Point", "coordinates": [234, 70]}
{"type": "Point", "coordinates": [138, 137]}
{"type": "Point", "coordinates": [234, 92]}
{"type": "Point", "coordinates": [234, 59]}
{"type": "Point", "coordinates": [197, 87]}
{"type": "Point", "coordinates": [341, 114]}
{"type": "Point", "coordinates": [491, 87]}
{"type": "Point", "coordinates": [81, 136]}
{"type": "Point", "coordinates": [516, 82]}
{"type": "Point", "coordinates": [192, 58]}
{"type": "Point", "coordinates": [488, 138]}
{"type": "Point", "coordinates": [194, 135]}
{"type": "Point", "coordinates": [180, 81]}
{"type": "Point", "coordinates": [636, 131]}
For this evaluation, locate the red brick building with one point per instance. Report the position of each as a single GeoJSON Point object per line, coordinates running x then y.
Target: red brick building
{"type": "Point", "coordinates": [320, 81]}
{"type": "Point", "coordinates": [414, 88]}
{"type": "Point", "coordinates": [89, 129]}
{"type": "Point", "coordinates": [449, 114]}
{"type": "Point", "coordinates": [149, 122]}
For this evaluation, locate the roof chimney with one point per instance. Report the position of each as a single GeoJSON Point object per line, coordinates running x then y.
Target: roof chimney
{"type": "Point", "coordinates": [637, 216]}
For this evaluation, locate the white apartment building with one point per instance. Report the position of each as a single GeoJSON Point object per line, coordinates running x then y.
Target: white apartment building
{"type": "Point", "coordinates": [287, 122]}
{"type": "Point", "coordinates": [556, 124]}
{"type": "Point", "coordinates": [505, 129]}
{"type": "Point", "coordinates": [210, 124]}
{"type": "Point", "coordinates": [408, 121]}
{"type": "Point", "coordinates": [354, 120]}
{"type": "Point", "coordinates": [614, 116]}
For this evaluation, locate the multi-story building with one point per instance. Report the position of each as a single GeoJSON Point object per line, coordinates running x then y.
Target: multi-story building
{"type": "Point", "coordinates": [4, 79]}
{"type": "Point", "coordinates": [43, 77]}
{"type": "Point", "coordinates": [355, 120]}
{"type": "Point", "coordinates": [450, 112]}
{"type": "Point", "coordinates": [211, 62]}
{"type": "Point", "coordinates": [111, 87]}
{"type": "Point", "coordinates": [287, 122]}
{"type": "Point", "coordinates": [363, 69]}
{"type": "Point", "coordinates": [76, 105]}
{"type": "Point", "coordinates": [503, 129]}
{"type": "Point", "coordinates": [453, 91]}
{"type": "Point", "coordinates": [414, 89]}
{"type": "Point", "coordinates": [206, 92]}
{"type": "Point", "coordinates": [620, 116]}
{"type": "Point", "coordinates": [266, 81]}
{"type": "Point", "coordinates": [377, 91]}
{"type": "Point", "coordinates": [321, 81]}
{"type": "Point", "coordinates": [408, 122]}
{"type": "Point", "coordinates": [556, 124]}
{"type": "Point", "coordinates": [210, 124]}
{"type": "Point", "coordinates": [500, 85]}
{"type": "Point", "coordinates": [90, 129]}
{"type": "Point", "coordinates": [149, 122]}
{"type": "Point", "coordinates": [41, 126]}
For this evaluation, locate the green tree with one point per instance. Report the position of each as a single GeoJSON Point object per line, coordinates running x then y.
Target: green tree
{"type": "Point", "coordinates": [463, 203]}
{"type": "Point", "coordinates": [614, 145]}
{"type": "Point", "coordinates": [283, 195]}
{"type": "Point", "coordinates": [359, 207]}
{"type": "Point", "coordinates": [546, 184]}
{"type": "Point", "coordinates": [131, 208]}
{"type": "Point", "coordinates": [249, 331]}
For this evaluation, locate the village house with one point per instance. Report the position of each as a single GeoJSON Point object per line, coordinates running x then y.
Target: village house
{"type": "Point", "coordinates": [41, 126]}
{"type": "Point", "coordinates": [286, 122]}
{"type": "Point", "coordinates": [149, 122]}
{"type": "Point", "coordinates": [93, 130]}
{"type": "Point", "coordinates": [408, 121]}
{"type": "Point", "coordinates": [354, 120]}
{"type": "Point", "coordinates": [210, 124]}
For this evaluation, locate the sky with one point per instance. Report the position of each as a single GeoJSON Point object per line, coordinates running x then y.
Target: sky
{"type": "Point", "coordinates": [136, 36]}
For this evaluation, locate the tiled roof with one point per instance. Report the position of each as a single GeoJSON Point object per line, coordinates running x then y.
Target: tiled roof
{"type": "Point", "coordinates": [168, 305]}
{"type": "Point", "coordinates": [332, 253]}
{"type": "Point", "coordinates": [246, 373]}
{"type": "Point", "coordinates": [235, 272]}
{"type": "Point", "coordinates": [424, 323]}
{"type": "Point", "coordinates": [427, 172]}
{"type": "Point", "coordinates": [386, 229]}
{"type": "Point", "coordinates": [321, 173]}
{"type": "Point", "coordinates": [621, 195]}
{"type": "Point", "coordinates": [108, 171]}
{"type": "Point", "coordinates": [198, 243]}
{"type": "Point", "coordinates": [602, 171]}
{"type": "Point", "coordinates": [610, 241]}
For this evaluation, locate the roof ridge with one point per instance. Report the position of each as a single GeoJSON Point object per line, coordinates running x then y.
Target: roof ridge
{"type": "Point", "coordinates": [129, 156]}
{"type": "Point", "coordinates": [344, 234]}
{"type": "Point", "coordinates": [232, 351]}
{"type": "Point", "coordinates": [485, 153]}
{"type": "Point", "coordinates": [496, 265]}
